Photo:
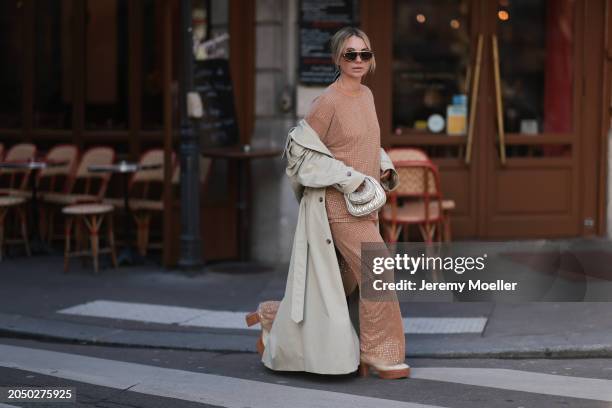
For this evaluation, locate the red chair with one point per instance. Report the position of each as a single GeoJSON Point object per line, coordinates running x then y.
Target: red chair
{"type": "Point", "coordinates": [417, 199]}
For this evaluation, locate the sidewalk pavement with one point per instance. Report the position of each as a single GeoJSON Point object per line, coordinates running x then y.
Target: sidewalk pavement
{"type": "Point", "coordinates": [33, 291]}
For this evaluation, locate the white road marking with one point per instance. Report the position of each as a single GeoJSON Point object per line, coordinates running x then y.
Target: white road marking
{"type": "Point", "coordinates": [525, 381]}
{"type": "Point", "coordinates": [185, 385]}
{"type": "Point", "coordinates": [444, 325]}
{"type": "Point", "coordinates": [186, 316]}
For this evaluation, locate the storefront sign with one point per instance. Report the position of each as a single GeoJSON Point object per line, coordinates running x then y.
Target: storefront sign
{"type": "Point", "coordinates": [319, 20]}
{"type": "Point", "coordinates": [218, 126]}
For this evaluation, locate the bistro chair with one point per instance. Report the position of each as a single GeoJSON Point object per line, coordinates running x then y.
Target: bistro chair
{"type": "Point", "coordinates": [56, 178]}
{"type": "Point", "coordinates": [92, 216]}
{"type": "Point", "coordinates": [14, 181]}
{"type": "Point", "coordinates": [145, 190]}
{"type": "Point", "coordinates": [8, 203]}
{"type": "Point", "coordinates": [148, 201]}
{"type": "Point", "coordinates": [83, 187]}
{"type": "Point", "coordinates": [417, 199]}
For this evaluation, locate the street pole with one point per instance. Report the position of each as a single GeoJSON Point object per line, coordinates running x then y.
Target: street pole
{"type": "Point", "coordinates": [191, 242]}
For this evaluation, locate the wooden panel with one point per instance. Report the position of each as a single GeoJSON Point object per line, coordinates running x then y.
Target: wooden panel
{"type": "Point", "coordinates": [592, 153]}
{"type": "Point", "coordinates": [533, 191]}
{"type": "Point", "coordinates": [219, 233]}
{"type": "Point", "coordinates": [381, 36]}
{"type": "Point", "coordinates": [530, 227]}
{"type": "Point", "coordinates": [101, 51]}
{"type": "Point", "coordinates": [242, 63]}
{"type": "Point", "coordinates": [454, 185]}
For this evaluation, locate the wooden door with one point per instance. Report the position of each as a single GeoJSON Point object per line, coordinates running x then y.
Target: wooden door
{"type": "Point", "coordinates": [531, 126]}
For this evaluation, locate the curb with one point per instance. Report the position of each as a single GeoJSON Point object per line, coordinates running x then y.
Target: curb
{"type": "Point", "coordinates": [418, 346]}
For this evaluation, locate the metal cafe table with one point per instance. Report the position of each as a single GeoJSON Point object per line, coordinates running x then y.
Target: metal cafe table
{"type": "Point", "coordinates": [34, 166]}
{"type": "Point", "coordinates": [125, 169]}
{"type": "Point", "coordinates": [241, 157]}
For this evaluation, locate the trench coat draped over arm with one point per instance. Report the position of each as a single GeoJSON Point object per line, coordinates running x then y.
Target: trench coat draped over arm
{"type": "Point", "coordinates": [312, 330]}
{"type": "Point", "coordinates": [386, 164]}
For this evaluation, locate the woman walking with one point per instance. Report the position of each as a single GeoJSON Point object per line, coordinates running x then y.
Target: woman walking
{"type": "Point", "coordinates": [329, 154]}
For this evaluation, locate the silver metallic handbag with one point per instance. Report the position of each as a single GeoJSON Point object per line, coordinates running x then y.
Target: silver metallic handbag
{"type": "Point", "coordinates": [366, 201]}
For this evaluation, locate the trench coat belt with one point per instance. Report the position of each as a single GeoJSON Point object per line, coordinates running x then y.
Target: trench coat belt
{"type": "Point", "coordinates": [300, 265]}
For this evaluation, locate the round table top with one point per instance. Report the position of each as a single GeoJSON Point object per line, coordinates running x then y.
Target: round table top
{"type": "Point", "coordinates": [122, 167]}
{"type": "Point", "coordinates": [31, 164]}
{"type": "Point", "coordinates": [240, 153]}
{"type": "Point", "coordinates": [8, 201]}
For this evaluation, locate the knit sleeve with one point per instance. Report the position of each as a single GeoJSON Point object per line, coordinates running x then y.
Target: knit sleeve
{"type": "Point", "coordinates": [320, 115]}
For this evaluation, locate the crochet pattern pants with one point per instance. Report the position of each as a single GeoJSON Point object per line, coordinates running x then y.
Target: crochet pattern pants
{"type": "Point", "coordinates": [381, 330]}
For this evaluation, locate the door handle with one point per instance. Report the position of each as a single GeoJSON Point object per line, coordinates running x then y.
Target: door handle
{"type": "Point", "coordinates": [498, 101]}
{"type": "Point", "coordinates": [474, 85]}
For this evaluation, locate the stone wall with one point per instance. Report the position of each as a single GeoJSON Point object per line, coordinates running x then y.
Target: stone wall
{"type": "Point", "coordinates": [274, 209]}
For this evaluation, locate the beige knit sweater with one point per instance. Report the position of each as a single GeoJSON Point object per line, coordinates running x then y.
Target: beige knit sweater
{"type": "Point", "coordinates": [347, 124]}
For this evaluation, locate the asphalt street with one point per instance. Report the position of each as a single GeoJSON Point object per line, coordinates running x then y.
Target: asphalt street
{"type": "Point", "coordinates": [132, 377]}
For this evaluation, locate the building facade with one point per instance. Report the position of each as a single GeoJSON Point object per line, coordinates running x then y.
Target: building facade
{"type": "Point", "coordinates": [510, 98]}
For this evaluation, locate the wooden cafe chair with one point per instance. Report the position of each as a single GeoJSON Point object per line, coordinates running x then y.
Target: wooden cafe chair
{"type": "Point", "coordinates": [14, 181]}
{"type": "Point", "coordinates": [418, 198]}
{"type": "Point", "coordinates": [84, 186]}
{"type": "Point", "coordinates": [145, 201]}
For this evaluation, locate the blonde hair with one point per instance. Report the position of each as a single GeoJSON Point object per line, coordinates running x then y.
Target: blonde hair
{"type": "Point", "coordinates": [339, 39]}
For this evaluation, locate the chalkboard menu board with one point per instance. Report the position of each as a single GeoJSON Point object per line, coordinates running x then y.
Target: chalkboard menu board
{"type": "Point", "coordinates": [319, 20]}
{"type": "Point", "coordinates": [218, 126]}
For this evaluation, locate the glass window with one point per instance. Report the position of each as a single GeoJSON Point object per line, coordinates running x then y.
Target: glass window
{"type": "Point", "coordinates": [218, 22]}
{"type": "Point", "coordinates": [106, 48]}
{"type": "Point", "coordinates": [431, 54]}
{"type": "Point", "coordinates": [152, 65]}
{"type": "Point", "coordinates": [53, 64]}
{"type": "Point", "coordinates": [536, 64]}
{"type": "Point", "coordinates": [11, 49]}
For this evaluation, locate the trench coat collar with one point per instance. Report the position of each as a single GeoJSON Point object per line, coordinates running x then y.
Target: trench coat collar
{"type": "Point", "coordinates": [307, 137]}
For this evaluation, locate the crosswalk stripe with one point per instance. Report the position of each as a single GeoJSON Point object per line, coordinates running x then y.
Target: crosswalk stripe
{"type": "Point", "coordinates": [444, 325]}
{"type": "Point", "coordinates": [185, 385]}
{"type": "Point", "coordinates": [186, 316]}
{"type": "Point", "coordinates": [526, 381]}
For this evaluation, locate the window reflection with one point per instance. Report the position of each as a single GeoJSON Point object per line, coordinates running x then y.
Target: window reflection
{"type": "Point", "coordinates": [53, 64]}
{"type": "Point", "coordinates": [430, 61]}
{"type": "Point", "coordinates": [536, 49]}
{"type": "Point", "coordinates": [106, 65]}
{"type": "Point", "coordinates": [152, 65]}
{"type": "Point", "coordinates": [11, 49]}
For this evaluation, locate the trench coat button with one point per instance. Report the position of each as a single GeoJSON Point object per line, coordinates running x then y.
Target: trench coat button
{"type": "Point", "coordinates": [328, 241]}
{"type": "Point", "coordinates": [320, 199]}
{"type": "Point", "coordinates": [348, 173]}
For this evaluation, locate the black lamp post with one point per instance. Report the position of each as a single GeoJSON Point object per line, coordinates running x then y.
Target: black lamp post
{"type": "Point", "coordinates": [191, 242]}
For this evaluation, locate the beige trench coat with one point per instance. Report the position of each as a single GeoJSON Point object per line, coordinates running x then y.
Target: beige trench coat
{"type": "Point", "coordinates": [312, 330]}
